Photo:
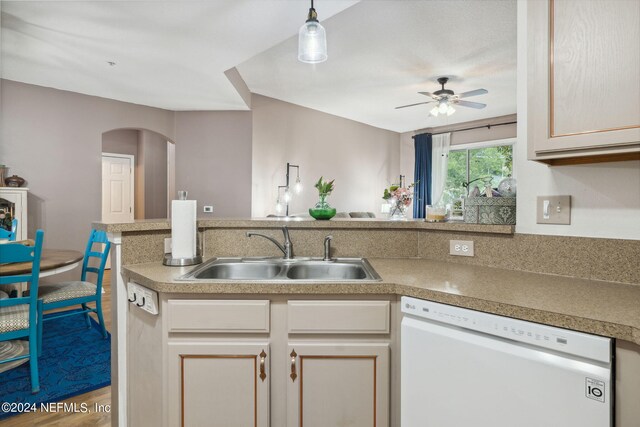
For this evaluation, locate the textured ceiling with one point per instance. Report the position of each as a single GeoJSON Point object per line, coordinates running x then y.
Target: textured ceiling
{"type": "Point", "coordinates": [173, 54]}
{"type": "Point", "coordinates": [381, 53]}
{"type": "Point", "coordinates": [168, 54]}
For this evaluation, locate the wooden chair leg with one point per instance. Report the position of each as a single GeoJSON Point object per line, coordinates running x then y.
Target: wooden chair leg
{"type": "Point", "coordinates": [86, 316]}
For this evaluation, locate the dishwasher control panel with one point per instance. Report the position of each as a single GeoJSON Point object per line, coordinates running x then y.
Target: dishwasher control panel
{"type": "Point", "coordinates": [558, 339]}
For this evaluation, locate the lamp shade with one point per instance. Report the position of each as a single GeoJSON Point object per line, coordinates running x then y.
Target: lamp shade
{"type": "Point", "coordinates": [312, 43]}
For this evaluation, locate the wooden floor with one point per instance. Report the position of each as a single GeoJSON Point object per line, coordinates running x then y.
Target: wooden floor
{"type": "Point", "coordinates": [97, 397]}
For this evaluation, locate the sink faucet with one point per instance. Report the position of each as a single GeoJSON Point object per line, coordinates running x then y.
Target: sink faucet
{"type": "Point", "coordinates": [327, 248]}
{"type": "Point", "coordinates": [286, 247]}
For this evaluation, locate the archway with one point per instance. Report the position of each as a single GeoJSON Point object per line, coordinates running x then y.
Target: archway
{"type": "Point", "coordinates": [138, 177]}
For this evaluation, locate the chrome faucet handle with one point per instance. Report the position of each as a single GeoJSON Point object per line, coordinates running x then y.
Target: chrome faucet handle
{"type": "Point", "coordinates": [288, 245]}
{"type": "Point", "coordinates": [327, 248]}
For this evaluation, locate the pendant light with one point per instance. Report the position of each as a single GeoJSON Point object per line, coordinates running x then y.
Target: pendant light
{"type": "Point", "coordinates": [312, 40]}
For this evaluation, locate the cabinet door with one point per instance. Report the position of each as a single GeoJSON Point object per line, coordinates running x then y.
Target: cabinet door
{"type": "Point", "coordinates": [584, 62]}
{"type": "Point", "coordinates": [338, 385]}
{"type": "Point", "coordinates": [218, 384]}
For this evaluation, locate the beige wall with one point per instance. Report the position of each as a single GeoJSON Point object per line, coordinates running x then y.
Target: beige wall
{"type": "Point", "coordinates": [213, 160]}
{"type": "Point", "coordinates": [362, 159]}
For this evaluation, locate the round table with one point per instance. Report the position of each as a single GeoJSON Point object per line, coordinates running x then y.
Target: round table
{"type": "Point", "coordinates": [52, 261]}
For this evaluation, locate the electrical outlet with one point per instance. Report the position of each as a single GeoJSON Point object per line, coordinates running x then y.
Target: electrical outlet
{"type": "Point", "coordinates": [167, 245]}
{"type": "Point", "coordinates": [461, 247]}
{"type": "Point", "coordinates": [208, 209]}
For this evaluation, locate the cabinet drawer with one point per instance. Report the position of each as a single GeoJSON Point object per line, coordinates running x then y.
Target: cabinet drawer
{"type": "Point", "coordinates": [338, 317]}
{"type": "Point", "coordinates": [234, 316]}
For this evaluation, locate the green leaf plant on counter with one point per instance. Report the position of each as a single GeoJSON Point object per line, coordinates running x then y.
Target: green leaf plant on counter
{"type": "Point", "coordinates": [324, 187]}
{"type": "Point", "coordinates": [322, 210]}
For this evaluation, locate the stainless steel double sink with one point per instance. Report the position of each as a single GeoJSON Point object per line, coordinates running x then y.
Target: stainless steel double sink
{"type": "Point", "coordinates": [284, 270]}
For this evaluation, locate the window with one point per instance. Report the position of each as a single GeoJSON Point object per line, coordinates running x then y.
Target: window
{"type": "Point", "coordinates": [485, 163]}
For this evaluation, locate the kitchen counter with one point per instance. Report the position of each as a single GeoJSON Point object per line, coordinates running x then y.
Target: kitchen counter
{"type": "Point", "coordinates": [300, 223]}
{"type": "Point", "coordinates": [598, 307]}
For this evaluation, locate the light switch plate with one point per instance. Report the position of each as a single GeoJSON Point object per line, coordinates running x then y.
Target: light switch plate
{"type": "Point", "coordinates": [167, 245]}
{"type": "Point", "coordinates": [553, 210]}
{"type": "Point", "coordinates": [461, 247]}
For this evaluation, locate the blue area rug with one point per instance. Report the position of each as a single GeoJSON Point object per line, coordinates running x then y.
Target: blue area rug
{"type": "Point", "coordinates": [75, 360]}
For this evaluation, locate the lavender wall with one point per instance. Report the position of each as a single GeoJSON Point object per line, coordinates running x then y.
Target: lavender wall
{"type": "Point", "coordinates": [152, 150]}
{"type": "Point", "coordinates": [53, 139]}
{"type": "Point", "coordinates": [362, 159]}
{"type": "Point", "coordinates": [121, 141]}
{"type": "Point", "coordinates": [213, 160]}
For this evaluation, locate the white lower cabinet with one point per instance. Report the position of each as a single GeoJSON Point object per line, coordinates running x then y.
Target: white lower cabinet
{"type": "Point", "coordinates": [337, 384]}
{"type": "Point", "coordinates": [277, 362]}
{"type": "Point", "coordinates": [218, 384]}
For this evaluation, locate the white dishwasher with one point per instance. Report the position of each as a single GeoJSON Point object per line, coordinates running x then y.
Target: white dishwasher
{"type": "Point", "coordinates": [464, 368]}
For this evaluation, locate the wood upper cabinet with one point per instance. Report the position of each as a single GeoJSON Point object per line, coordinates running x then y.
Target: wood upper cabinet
{"type": "Point", "coordinates": [218, 384]}
{"type": "Point", "coordinates": [338, 384]}
{"type": "Point", "coordinates": [583, 80]}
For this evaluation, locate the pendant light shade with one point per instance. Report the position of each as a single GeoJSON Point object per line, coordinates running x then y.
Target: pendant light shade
{"type": "Point", "coordinates": [312, 40]}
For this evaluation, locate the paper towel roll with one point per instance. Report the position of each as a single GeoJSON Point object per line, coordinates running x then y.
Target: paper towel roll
{"type": "Point", "coordinates": [183, 228]}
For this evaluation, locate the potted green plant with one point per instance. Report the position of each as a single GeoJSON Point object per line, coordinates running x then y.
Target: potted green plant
{"type": "Point", "coordinates": [322, 209]}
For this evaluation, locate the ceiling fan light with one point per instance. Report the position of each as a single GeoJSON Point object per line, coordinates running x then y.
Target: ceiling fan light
{"type": "Point", "coordinates": [442, 108]}
{"type": "Point", "coordinates": [450, 110]}
{"type": "Point", "coordinates": [434, 111]}
{"type": "Point", "coordinates": [312, 40]}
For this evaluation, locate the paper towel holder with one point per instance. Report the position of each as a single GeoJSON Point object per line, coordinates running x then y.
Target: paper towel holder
{"type": "Point", "coordinates": [184, 262]}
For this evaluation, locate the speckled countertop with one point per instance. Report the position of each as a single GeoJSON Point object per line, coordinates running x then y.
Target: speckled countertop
{"type": "Point", "coordinates": [604, 308]}
{"type": "Point", "coordinates": [334, 223]}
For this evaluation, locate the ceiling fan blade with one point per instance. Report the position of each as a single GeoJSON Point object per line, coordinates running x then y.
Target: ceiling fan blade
{"type": "Point", "coordinates": [429, 94]}
{"type": "Point", "coordinates": [473, 93]}
{"type": "Point", "coordinates": [411, 105]}
{"type": "Point", "coordinates": [477, 105]}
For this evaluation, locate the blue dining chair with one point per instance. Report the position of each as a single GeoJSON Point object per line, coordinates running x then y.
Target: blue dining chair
{"type": "Point", "coordinates": [80, 292]}
{"type": "Point", "coordinates": [19, 316]}
{"type": "Point", "coordinates": [10, 234]}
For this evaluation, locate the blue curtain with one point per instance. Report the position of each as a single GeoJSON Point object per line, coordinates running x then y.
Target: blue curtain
{"type": "Point", "coordinates": [422, 174]}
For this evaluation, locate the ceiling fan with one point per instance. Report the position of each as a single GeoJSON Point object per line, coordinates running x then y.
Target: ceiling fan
{"type": "Point", "coordinates": [446, 99]}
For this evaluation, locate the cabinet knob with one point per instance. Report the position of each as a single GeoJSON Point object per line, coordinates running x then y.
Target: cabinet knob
{"type": "Point", "coordinates": [293, 374]}
{"type": "Point", "coordinates": [263, 357]}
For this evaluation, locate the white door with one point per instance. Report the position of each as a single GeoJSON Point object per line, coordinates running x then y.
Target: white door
{"type": "Point", "coordinates": [117, 188]}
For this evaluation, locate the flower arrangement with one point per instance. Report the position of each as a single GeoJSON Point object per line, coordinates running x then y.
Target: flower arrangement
{"type": "Point", "coordinates": [399, 198]}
